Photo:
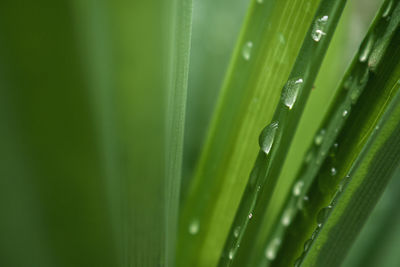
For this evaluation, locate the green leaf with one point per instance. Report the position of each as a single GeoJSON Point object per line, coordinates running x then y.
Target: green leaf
{"type": "Point", "coordinates": [361, 190]}
{"type": "Point", "coordinates": [377, 243]}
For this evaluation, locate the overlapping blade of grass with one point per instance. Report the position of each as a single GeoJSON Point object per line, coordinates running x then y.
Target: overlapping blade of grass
{"type": "Point", "coordinates": [276, 137]}
{"type": "Point", "coordinates": [263, 58]}
{"type": "Point", "coordinates": [335, 149]}
{"type": "Point", "coordinates": [179, 34]}
{"type": "Point", "coordinates": [358, 193]}
{"type": "Point", "coordinates": [208, 63]}
{"type": "Point", "coordinates": [377, 244]}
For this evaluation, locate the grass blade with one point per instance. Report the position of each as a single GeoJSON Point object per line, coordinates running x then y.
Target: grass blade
{"type": "Point", "coordinates": [361, 190]}
{"type": "Point", "coordinates": [377, 243]}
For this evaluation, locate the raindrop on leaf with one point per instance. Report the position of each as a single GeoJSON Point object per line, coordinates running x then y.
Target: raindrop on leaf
{"type": "Point", "coordinates": [290, 92]}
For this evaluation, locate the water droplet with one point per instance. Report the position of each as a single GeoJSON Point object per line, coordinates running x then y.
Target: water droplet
{"type": "Point", "coordinates": [335, 145]}
{"type": "Point", "coordinates": [323, 215]}
{"type": "Point", "coordinates": [354, 94]}
{"type": "Point", "coordinates": [297, 188]}
{"type": "Point", "coordinates": [267, 136]}
{"type": "Point", "coordinates": [345, 112]}
{"type": "Point", "coordinates": [307, 244]}
{"type": "Point", "coordinates": [318, 28]}
{"type": "Point", "coordinates": [231, 254]}
{"type": "Point", "coordinates": [333, 171]}
{"type": "Point", "coordinates": [297, 263]}
{"type": "Point", "coordinates": [250, 215]}
{"type": "Point", "coordinates": [388, 9]}
{"type": "Point", "coordinates": [366, 48]}
{"type": "Point", "coordinates": [260, 1]}
{"type": "Point", "coordinates": [319, 137]}
{"type": "Point", "coordinates": [246, 51]}
{"type": "Point", "coordinates": [290, 92]}
{"type": "Point", "coordinates": [272, 249]}
{"type": "Point", "coordinates": [300, 202]}
{"type": "Point", "coordinates": [236, 232]}
{"type": "Point", "coordinates": [286, 217]}
{"type": "Point", "coordinates": [194, 227]}
{"type": "Point", "coordinates": [347, 83]}
{"type": "Point", "coordinates": [314, 235]}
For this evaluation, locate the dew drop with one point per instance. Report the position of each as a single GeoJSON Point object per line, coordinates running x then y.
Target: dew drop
{"type": "Point", "coordinates": [366, 48]}
{"type": "Point", "coordinates": [318, 28]}
{"type": "Point", "coordinates": [335, 145]}
{"type": "Point", "coordinates": [347, 83]}
{"type": "Point", "coordinates": [236, 232]}
{"type": "Point", "coordinates": [266, 138]}
{"type": "Point", "coordinates": [250, 215]}
{"type": "Point", "coordinates": [354, 95]}
{"type": "Point", "coordinates": [319, 137]}
{"type": "Point", "coordinates": [290, 92]}
{"type": "Point", "coordinates": [246, 51]}
{"type": "Point", "coordinates": [231, 254]}
{"type": "Point", "coordinates": [345, 112]}
{"type": "Point", "coordinates": [297, 188]}
{"type": "Point", "coordinates": [260, 1]}
{"type": "Point", "coordinates": [272, 249]}
{"type": "Point", "coordinates": [314, 235]}
{"type": "Point", "coordinates": [323, 215]}
{"type": "Point", "coordinates": [333, 171]}
{"type": "Point", "coordinates": [388, 9]}
{"type": "Point", "coordinates": [286, 217]}
{"type": "Point", "coordinates": [307, 244]}
{"type": "Point", "coordinates": [297, 263]}
{"type": "Point", "coordinates": [300, 202]}
{"type": "Point", "coordinates": [194, 227]}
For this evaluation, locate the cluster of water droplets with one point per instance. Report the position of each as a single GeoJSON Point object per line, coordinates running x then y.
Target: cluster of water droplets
{"type": "Point", "coordinates": [290, 91]}
{"type": "Point", "coordinates": [318, 30]}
